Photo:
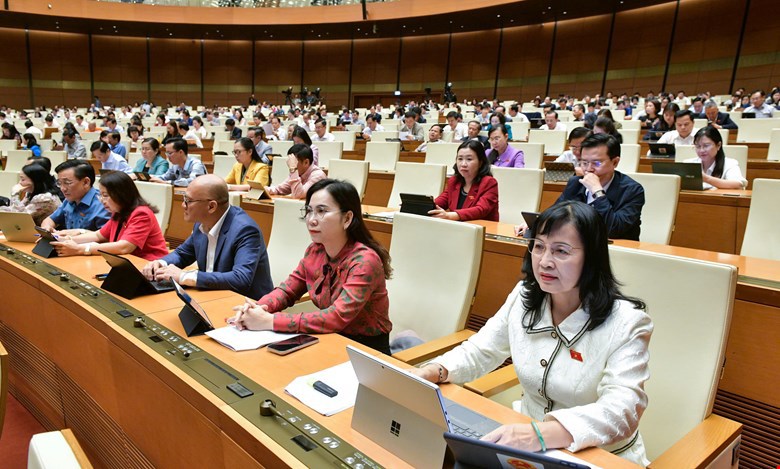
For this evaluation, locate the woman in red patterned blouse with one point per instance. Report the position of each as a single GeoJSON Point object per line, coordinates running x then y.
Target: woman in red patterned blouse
{"type": "Point", "coordinates": [343, 270]}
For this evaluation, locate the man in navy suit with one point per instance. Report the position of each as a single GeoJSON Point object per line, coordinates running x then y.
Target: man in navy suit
{"type": "Point", "coordinates": [617, 197]}
{"type": "Point", "coordinates": [719, 120]}
{"type": "Point", "coordinates": [225, 242]}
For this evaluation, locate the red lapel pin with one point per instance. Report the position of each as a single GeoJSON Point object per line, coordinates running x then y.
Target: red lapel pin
{"type": "Point", "coordinates": [575, 355]}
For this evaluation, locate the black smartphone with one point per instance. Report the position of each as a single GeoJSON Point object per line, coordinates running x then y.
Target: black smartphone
{"type": "Point", "coordinates": [291, 345]}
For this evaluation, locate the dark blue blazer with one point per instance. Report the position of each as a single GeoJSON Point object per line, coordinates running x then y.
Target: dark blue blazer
{"type": "Point", "coordinates": [240, 261]}
{"type": "Point", "coordinates": [724, 120]}
{"type": "Point", "coordinates": [621, 208]}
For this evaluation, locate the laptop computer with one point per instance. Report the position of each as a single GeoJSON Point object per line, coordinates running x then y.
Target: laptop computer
{"type": "Point", "coordinates": [127, 281]}
{"type": "Point", "coordinates": [558, 172]}
{"type": "Point", "coordinates": [417, 204]}
{"type": "Point", "coordinates": [662, 150]}
{"type": "Point", "coordinates": [18, 227]}
{"type": "Point", "coordinates": [690, 174]}
{"type": "Point", "coordinates": [472, 453]}
{"type": "Point", "coordinates": [407, 415]}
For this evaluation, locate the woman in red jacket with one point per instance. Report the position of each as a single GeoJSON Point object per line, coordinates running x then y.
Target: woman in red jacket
{"type": "Point", "coordinates": [472, 193]}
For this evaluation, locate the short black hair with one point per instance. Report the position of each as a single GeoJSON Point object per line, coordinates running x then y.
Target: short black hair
{"type": "Point", "coordinates": [81, 169]}
{"type": "Point", "coordinates": [578, 132]}
{"type": "Point", "coordinates": [597, 140]}
{"type": "Point", "coordinates": [683, 113]}
{"type": "Point", "coordinates": [302, 152]}
{"type": "Point", "coordinates": [179, 144]}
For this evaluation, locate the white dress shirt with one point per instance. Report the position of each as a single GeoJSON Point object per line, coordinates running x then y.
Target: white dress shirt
{"type": "Point", "coordinates": [461, 131]}
{"type": "Point", "coordinates": [731, 171]}
{"type": "Point", "coordinates": [674, 137]}
{"type": "Point", "coordinates": [190, 277]}
{"type": "Point", "coordinates": [590, 381]}
{"type": "Point", "coordinates": [558, 126]}
{"type": "Point", "coordinates": [328, 137]}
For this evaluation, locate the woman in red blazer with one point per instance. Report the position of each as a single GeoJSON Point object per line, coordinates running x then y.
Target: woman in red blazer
{"type": "Point", "coordinates": [472, 193]}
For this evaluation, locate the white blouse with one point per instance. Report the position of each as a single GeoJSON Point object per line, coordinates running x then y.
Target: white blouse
{"type": "Point", "coordinates": [731, 171]}
{"type": "Point", "coordinates": [590, 381]}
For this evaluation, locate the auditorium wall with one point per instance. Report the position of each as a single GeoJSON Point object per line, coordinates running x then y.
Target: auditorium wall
{"type": "Point", "coordinates": [690, 45]}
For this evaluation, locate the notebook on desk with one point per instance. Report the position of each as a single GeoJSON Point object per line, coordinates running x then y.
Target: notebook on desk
{"type": "Point", "coordinates": [690, 174]}
{"type": "Point", "coordinates": [407, 415]}
{"type": "Point", "coordinates": [662, 150]}
{"type": "Point", "coordinates": [127, 281]}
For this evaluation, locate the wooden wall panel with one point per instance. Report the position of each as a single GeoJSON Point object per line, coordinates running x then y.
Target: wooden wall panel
{"type": "Point", "coordinates": [175, 71]}
{"type": "Point", "coordinates": [424, 63]}
{"type": "Point", "coordinates": [578, 59]}
{"type": "Point", "coordinates": [227, 72]}
{"type": "Point", "coordinates": [60, 68]}
{"type": "Point", "coordinates": [375, 65]}
{"type": "Point", "coordinates": [120, 70]}
{"type": "Point", "coordinates": [14, 85]}
{"type": "Point", "coordinates": [473, 64]}
{"type": "Point", "coordinates": [525, 59]}
{"type": "Point", "coordinates": [326, 66]}
{"type": "Point", "coordinates": [705, 45]}
{"type": "Point", "coordinates": [640, 44]}
{"type": "Point", "coordinates": [277, 66]}
{"type": "Point", "coordinates": [759, 62]}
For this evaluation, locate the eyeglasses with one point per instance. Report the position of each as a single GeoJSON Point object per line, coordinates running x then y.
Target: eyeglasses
{"type": "Point", "coordinates": [596, 163]}
{"type": "Point", "coordinates": [318, 212]}
{"type": "Point", "coordinates": [188, 201]}
{"type": "Point", "coordinates": [104, 196]}
{"type": "Point", "coordinates": [560, 251]}
{"type": "Point", "coordinates": [65, 183]}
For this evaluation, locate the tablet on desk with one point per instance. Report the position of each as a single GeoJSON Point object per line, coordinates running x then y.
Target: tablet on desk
{"type": "Point", "coordinates": [662, 150]}
{"type": "Point", "coordinates": [257, 191]}
{"type": "Point", "coordinates": [417, 204]}
{"type": "Point", "coordinates": [471, 453]}
{"type": "Point", "coordinates": [141, 176]}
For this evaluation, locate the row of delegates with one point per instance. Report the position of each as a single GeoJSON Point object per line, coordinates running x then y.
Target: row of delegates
{"type": "Point", "coordinates": [226, 244]}
{"type": "Point", "coordinates": [132, 228]}
{"type": "Point", "coordinates": [249, 166]}
{"type": "Point", "coordinates": [578, 345]}
{"type": "Point", "coordinates": [304, 173]}
{"type": "Point", "coordinates": [109, 160]}
{"type": "Point", "coordinates": [343, 270]}
{"type": "Point", "coordinates": [82, 209]}
{"type": "Point", "coordinates": [151, 162]}
{"type": "Point", "coordinates": [615, 196]}
{"type": "Point", "coordinates": [718, 171]}
{"type": "Point", "coordinates": [35, 194]}
{"type": "Point", "coordinates": [184, 168]}
{"type": "Point", "coordinates": [472, 192]}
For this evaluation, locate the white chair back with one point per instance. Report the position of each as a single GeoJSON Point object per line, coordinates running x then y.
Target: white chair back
{"type": "Point", "coordinates": [661, 194]}
{"type": "Point", "coordinates": [739, 153]}
{"type": "Point", "coordinates": [629, 135]}
{"type": "Point", "coordinates": [762, 232]}
{"type": "Point", "coordinates": [631, 125]}
{"type": "Point", "coordinates": [533, 153]}
{"type": "Point", "coordinates": [161, 196]}
{"type": "Point", "coordinates": [289, 238]}
{"type": "Point", "coordinates": [619, 115]}
{"type": "Point", "coordinates": [774, 145]}
{"type": "Point", "coordinates": [224, 145]}
{"type": "Point", "coordinates": [328, 151]}
{"type": "Point", "coordinates": [756, 130]}
{"type": "Point", "coordinates": [8, 179]}
{"type": "Point", "coordinates": [520, 130]}
{"type": "Point", "coordinates": [223, 164]}
{"type": "Point", "coordinates": [3, 385]}
{"type": "Point", "coordinates": [691, 325]}
{"type": "Point", "coordinates": [383, 135]}
{"type": "Point", "coordinates": [629, 158]}
{"type": "Point", "coordinates": [16, 159]}
{"type": "Point", "coordinates": [51, 450]}
{"type": "Point", "coordinates": [279, 171]}
{"type": "Point", "coordinates": [56, 157]}
{"type": "Point", "coordinates": [8, 145]}
{"type": "Point", "coordinates": [423, 261]}
{"type": "Point", "coordinates": [89, 137]}
{"type": "Point", "coordinates": [416, 178]}
{"type": "Point", "coordinates": [443, 153]}
{"type": "Point", "coordinates": [347, 137]}
{"type": "Point", "coordinates": [554, 140]}
{"type": "Point", "coordinates": [353, 171]}
{"type": "Point", "coordinates": [134, 157]}
{"type": "Point", "coordinates": [383, 156]}
{"type": "Point", "coordinates": [353, 128]}
{"type": "Point", "coordinates": [281, 147]}
{"type": "Point", "coordinates": [684, 152]}
{"type": "Point", "coordinates": [519, 190]}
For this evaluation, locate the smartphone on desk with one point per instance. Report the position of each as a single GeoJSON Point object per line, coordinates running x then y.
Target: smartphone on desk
{"type": "Point", "coordinates": [288, 346]}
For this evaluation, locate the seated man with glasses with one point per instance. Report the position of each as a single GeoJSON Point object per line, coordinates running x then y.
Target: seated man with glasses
{"type": "Point", "coordinates": [303, 173]}
{"type": "Point", "coordinates": [225, 242]}
{"type": "Point", "coordinates": [615, 196]}
{"type": "Point", "coordinates": [82, 210]}
{"type": "Point", "coordinates": [184, 168]}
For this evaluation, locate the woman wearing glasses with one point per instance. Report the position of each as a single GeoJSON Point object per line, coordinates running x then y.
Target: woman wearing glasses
{"type": "Point", "coordinates": [343, 270]}
{"type": "Point", "coordinates": [248, 167]}
{"type": "Point", "coordinates": [578, 345]}
{"type": "Point", "coordinates": [502, 153]}
{"type": "Point", "coordinates": [132, 228]}
{"type": "Point", "coordinates": [717, 171]}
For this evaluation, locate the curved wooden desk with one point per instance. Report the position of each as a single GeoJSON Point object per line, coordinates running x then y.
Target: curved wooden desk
{"type": "Point", "coordinates": [131, 401]}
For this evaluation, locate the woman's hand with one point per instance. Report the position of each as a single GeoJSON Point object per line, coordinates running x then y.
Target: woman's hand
{"type": "Point", "coordinates": [429, 372]}
{"type": "Point", "coordinates": [518, 435]}
{"type": "Point", "coordinates": [439, 212]}
{"type": "Point", "coordinates": [252, 316]}
{"type": "Point", "coordinates": [68, 247]}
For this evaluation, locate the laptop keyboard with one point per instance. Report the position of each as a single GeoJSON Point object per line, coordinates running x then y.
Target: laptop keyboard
{"type": "Point", "coordinates": [455, 428]}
